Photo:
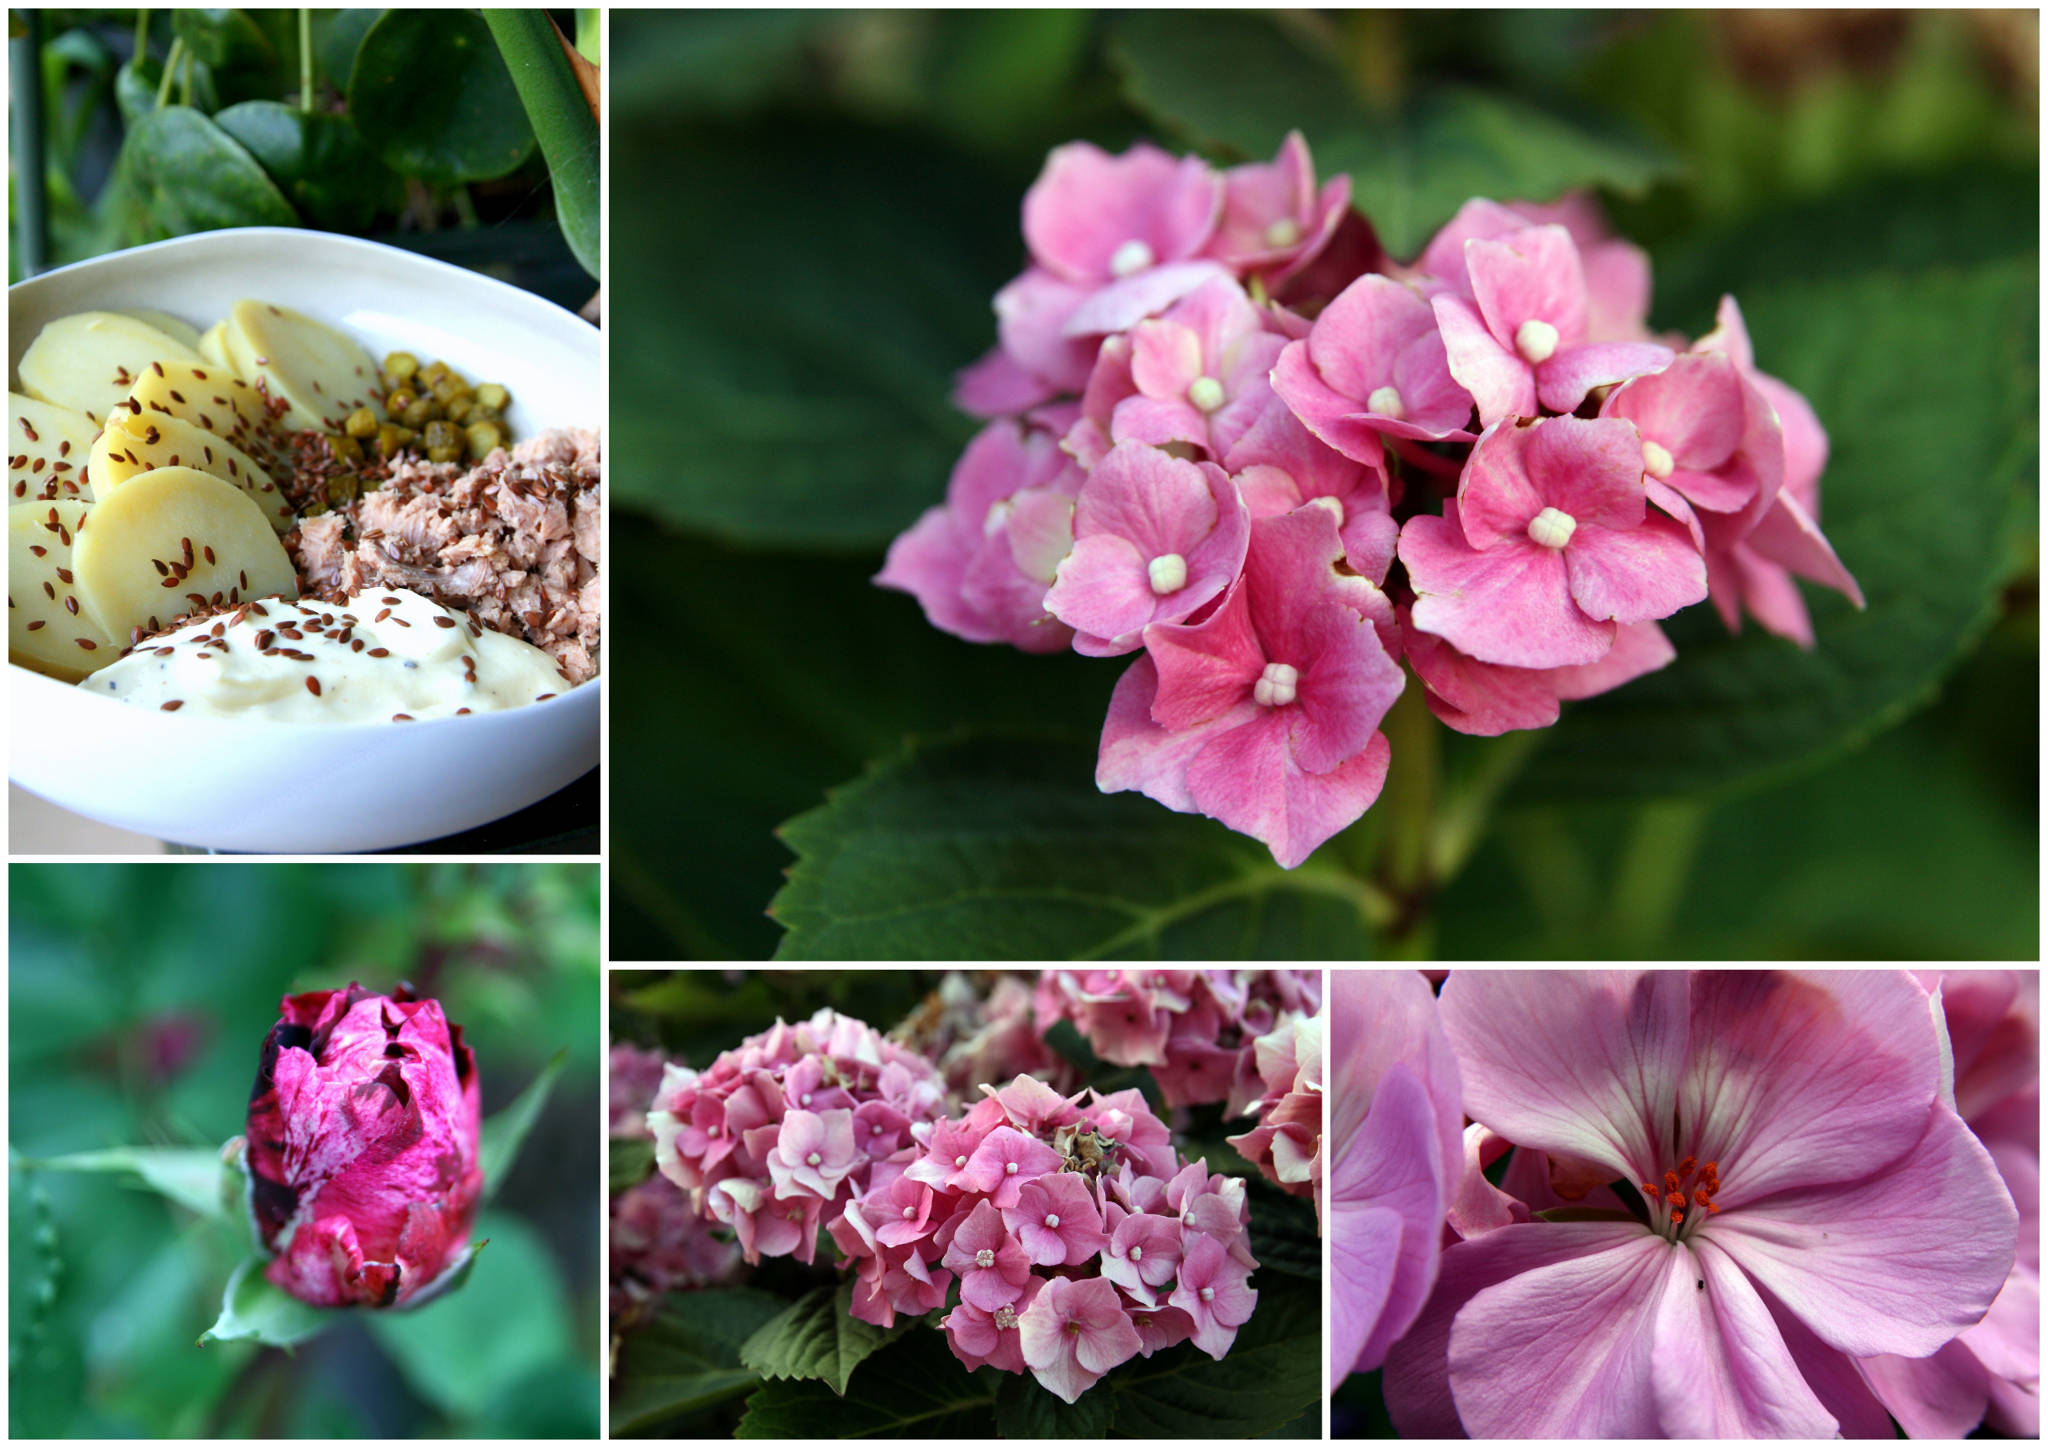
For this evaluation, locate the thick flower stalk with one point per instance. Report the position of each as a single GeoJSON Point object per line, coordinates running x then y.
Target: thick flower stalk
{"type": "Point", "coordinates": [362, 1148]}
{"type": "Point", "coordinates": [1076, 1234]}
{"type": "Point", "coordinates": [782, 1131]}
{"type": "Point", "coordinates": [1196, 1031]}
{"type": "Point", "coordinates": [1230, 437]}
{"type": "Point", "coordinates": [1731, 1190]}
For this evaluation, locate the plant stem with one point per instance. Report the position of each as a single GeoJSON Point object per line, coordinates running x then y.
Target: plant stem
{"type": "Point", "coordinates": [306, 61]}
{"type": "Point", "coordinates": [185, 81]}
{"type": "Point", "coordinates": [1655, 864]}
{"type": "Point", "coordinates": [562, 120]}
{"type": "Point", "coordinates": [141, 34]}
{"type": "Point", "coordinates": [171, 61]}
{"type": "Point", "coordinates": [1409, 805]}
{"type": "Point", "coordinates": [465, 208]}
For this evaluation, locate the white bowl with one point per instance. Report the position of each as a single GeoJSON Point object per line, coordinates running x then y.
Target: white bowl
{"type": "Point", "coordinates": [319, 788]}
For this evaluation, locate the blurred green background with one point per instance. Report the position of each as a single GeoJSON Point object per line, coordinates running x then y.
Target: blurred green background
{"type": "Point", "coordinates": [138, 999]}
{"type": "Point", "coordinates": [813, 210]}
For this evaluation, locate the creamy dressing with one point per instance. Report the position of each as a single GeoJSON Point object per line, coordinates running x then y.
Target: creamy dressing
{"type": "Point", "coordinates": [386, 654]}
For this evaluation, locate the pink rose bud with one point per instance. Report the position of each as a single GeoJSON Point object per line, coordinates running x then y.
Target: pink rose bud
{"type": "Point", "coordinates": [362, 1154]}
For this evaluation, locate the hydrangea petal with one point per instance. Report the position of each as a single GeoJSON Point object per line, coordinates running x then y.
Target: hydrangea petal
{"type": "Point", "coordinates": [1636, 574]}
{"type": "Point", "coordinates": [1508, 605]}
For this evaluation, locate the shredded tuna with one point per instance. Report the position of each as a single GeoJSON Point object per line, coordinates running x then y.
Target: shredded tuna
{"type": "Point", "coordinates": [512, 539]}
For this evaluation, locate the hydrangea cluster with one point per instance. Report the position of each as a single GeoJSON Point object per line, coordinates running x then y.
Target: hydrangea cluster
{"type": "Point", "coordinates": [659, 1242]}
{"type": "Point", "coordinates": [979, 1027]}
{"type": "Point", "coordinates": [1232, 437]}
{"type": "Point", "coordinates": [1078, 1237]}
{"type": "Point", "coordinates": [1287, 1144]}
{"type": "Point", "coordinates": [785, 1129]}
{"type": "Point", "coordinates": [1193, 1029]}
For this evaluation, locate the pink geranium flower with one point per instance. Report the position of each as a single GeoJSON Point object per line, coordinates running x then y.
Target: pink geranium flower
{"type": "Point", "coordinates": [1200, 371]}
{"type": "Point", "coordinates": [1274, 220]}
{"type": "Point", "coordinates": [1551, 545]}
{"type": "Point", "coordinates": [1074, 1332]}
{"type": "Point", "coordinates": [1808, 1196]}
{"type": "Point", "coordinates": [1266, 715]}
{"type": "Point", "coordinates": [1155, 538]}
{"type": "Point", "coordinates": [1521, 339]}
{"type": "Point", "coordinates": [1394, 1119]}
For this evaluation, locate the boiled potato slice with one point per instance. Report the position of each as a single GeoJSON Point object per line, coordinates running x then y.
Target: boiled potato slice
{"type": "Point", "coordinates": [213, 345]}
{"type": "Point", "coordinates": [47, 628]}
{"type": "Point", "coordinates": [89, 360]}
{"type": "Point", "coordinates": [171, 539]}
{"type": "Point", "coordinates": [322, 374]}
{"type": "Point", "coordinates": [47, 447]}
{"type": "Point", "coordinates": [165, 323]}
{"type": "Point", "coordinates": [134, 443]}
{"type": "Point", "coordinates": [211, 399]}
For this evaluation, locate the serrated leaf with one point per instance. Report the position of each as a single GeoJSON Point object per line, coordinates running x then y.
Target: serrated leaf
{"type": "Point", "coordinates": [1928, 386]}
{"type": "Point", "coordinates": [1272, 1372]}
{"type": "Point", "coordinates": [1283, 1233]}
{"type": "Point", "coordinates": [256, 1310]}
{"type": "Point", "coordinates": [1026, 1409]}
{"type": "Point", "coordinates": [505, 1132]}
{"type": "Point", "coordinates": [915, 1389]}
{"type": "Point", "coordinates": [817, 1336]}
{"type": "Point", "coordinates": [630, 1162]}
{"type": "Point", "coordinates": [189, 1176]}
{"type": "Point", "coordinates": [1236, 82]}
{"type": "Point", "coordinates": [1000, 847]}
{"type": "Point", "coordinates": [686, 1359]}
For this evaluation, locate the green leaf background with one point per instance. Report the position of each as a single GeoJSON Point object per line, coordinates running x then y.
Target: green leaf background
{"type": "Point", "coordinates": [776, 429]}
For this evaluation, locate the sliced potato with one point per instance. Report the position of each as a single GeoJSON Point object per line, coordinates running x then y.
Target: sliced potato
{"type": "Point", "coordinates": [47, 628]}
{"type": "Point", "coordinates": [320, 373]}
{"type": "Point", "coordinates": [170, 540]}
{"type": "Point", "coordinates": [213, 345]}
{"type": "Point", "coordinates": [134, 443]}
{"type": "Point", "coordinates": [47, 447]}
{"type": "Point", "coordinates": [88, 361]}
{"type": "Point", "coordinates": [212, 400]}
{"type": "Point", "coordinates": [165, 323]}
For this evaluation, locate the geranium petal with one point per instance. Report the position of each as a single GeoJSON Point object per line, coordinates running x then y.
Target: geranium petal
{"type": "Point", "coordinates": [1720, 1369]}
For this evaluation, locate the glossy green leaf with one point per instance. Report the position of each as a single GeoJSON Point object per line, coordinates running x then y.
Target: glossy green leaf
{"type": "Point", "coordinates": [225, 39]}
{"type": "Point", "coordinates": [629, 1162]}
{"type": "Point", "coordinates": [1927, 384]}
{"type": "Point", "coordinates": [1236, 82]}
{"type": "Point", "coordinates": [687, 1358]}
{"type": "Point", "coordinates": [561, 119]}
{"type": "Point", "coordinates": [1272, 1372]}
{"type": "Point", "coordinates": [1283, 1230]}
{"type": "Point", "coordinates": [254, 1309]}
{"type": "Point", "coordinates": [1000, 847]}
{"type": "Point", "coordinates": [812, 412]}
{"type": "Point", "coordinates": [337, 35]}
{"type": "Point", "coordinates": [189, 1176]}
{"type": "Point", "coordinates": [914, 1389]}
{"type": "Point", "coordinates": [817, 1336]}
{"type": "Point", "coordinates": [1027, 1409]}
{"type": "Point", "coordinates": [318, 161]}
{"type": "Point", "coordinates": [431, 95]}
{"type": "Point", "coordinates": [505, 1132]}
{"type": "Point", "coordinates": [179, 173]}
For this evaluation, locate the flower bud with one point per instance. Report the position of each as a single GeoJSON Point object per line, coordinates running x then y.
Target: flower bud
{"type": "Point", "coordinates": [362, 1147]}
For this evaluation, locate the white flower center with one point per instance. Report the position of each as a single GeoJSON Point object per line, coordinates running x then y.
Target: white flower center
{"type": "Point", "coordinates": [814, 1158]}
{"type": "Point", "coordinates": [1133, 256]}
{"type": "Point", "coordinates": [806, 1098]}
{"type": "Point", "coordinates": [875, 1130]}
{"type": "Point", "coordinates": [1551, 528]}
{"type": "Point", "coordinates": [1284, 232]}
{"type": "Point", "coordinates": [1168, 573]}
{"type": "Point", "coordinates": [1207, 1294]}
{"type": "Point", "coordinates": [985, 1258]}
{"type": "Point", "coordinates": [1052, 1219]}
{"type": "Point", "coordinates": [1386, 401]}
{"type": "Point", "coordinates": [1006, 1316]}
{"type": "Point", "coordinates": [1276, 685]}
{"type": "Point", "coordinates": [1009, 1168]}
{"type": "Point", "coordinates": [1657, 459]}
{"type": "Point", "coordinates": [1137, 1254]}
{"type": "Point", "coordinates": [909, 1213]}
{"type": "Point", "coordinates": [1206, 393]}
{"type": "Point", "coordinates": [1536, 340]}
{"type": "Point", "coordinates": [959, 1161]}
{"type": "Point", "coordinates": [991, 522]}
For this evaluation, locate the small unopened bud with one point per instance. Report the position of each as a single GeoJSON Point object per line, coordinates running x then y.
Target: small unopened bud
{"type": "Point", "coordinates": [1168, 573]}
{"type": "Point", "coordinates": [1657, 459]}
{"type": "Point", "coordinates": [986, 1257]}
{"type": "Point", "coordinates": [1133, 256]}
{"type": "Point", "coordinates": [1536, 340]}
{"type": "Point", "coordinates": [1386, 401]}
{"type": "Point", "coordinates": [1207, 1294]}
{"type": "Point", "coordinates": [1276, 685]}
{"type": "Point", "coordinates": [1552, 528]}
{"type": "Point", "coordinates": [1206, 393]}
{"type": "Point", "coordinates": [1284, 232]}
{"type": "Point", "coordinates": [1009, 1168]}
{"type": "Point", "coordinates": [814, 1159]}
{"type": "Point", "coordinates": [1052, 1219]}
{"type": "Point", "coordinates": [1137, 1254]}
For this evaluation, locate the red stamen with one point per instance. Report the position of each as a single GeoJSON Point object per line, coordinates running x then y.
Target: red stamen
{"type": "Point", "coordinates": [1677, 1219]}
{"type": "Point", "coordinates": [1670, 1181]}
{"type": "Point", "coordinates": [1712, 1208]}
{"type": "Point", "coordinates": [1650, 1187]}
{"type": "Point", "coordinates": [1685, 1167]}
{"type": "Point", "coordinates": [1677, 1199]}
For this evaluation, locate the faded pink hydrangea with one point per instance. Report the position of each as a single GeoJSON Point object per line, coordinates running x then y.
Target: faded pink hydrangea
{"type": "Point", "coordinates": [362, 1148]}
{"type": "Point", "coordinates": [1287, 1144]}
{"type": "Point", "coordinates": [1522, 479]}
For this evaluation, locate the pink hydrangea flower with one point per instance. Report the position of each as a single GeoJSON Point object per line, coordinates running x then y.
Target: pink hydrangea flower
{"type": "Point", "coordinates": [1056, 1221]}
{"type": "Point", "coordinates": [1004, 1163]}
{"type": "Point", "coordinates": [1092, 217]}
{"type": "Point", "coordinates": [1143, 1255]}
{"type": "Point", "coordinates": [362, 1148]}
{"type": "Point", "coordinates": [1274, 220]}
{"type": "Point", "coordinates": [991, 1338]}
{"type": "Point", "coordinates": [1075, 1331]}
{"type": "Point", "coordinates": [1279, 465]}
{"type": "Point", "coordinates": [1550, 547]}
{"type": "Point", "coordinates": [992, 1267]}
{"type": "Point", "coordinates": [1266, 715]}
{"type": "Point", "coordinates": [1617, 273]}
{"type": "Point", "coordinates": [980, 564]}
{"type": "Point", "coordinates": [1488, 699]}
{"type": "Point", "coordinates": [1155, 538]}
{"type": "Point", "coordinates": [1214, 1292]}
{"type": "Point", "coordinates": [1809, 1196]}
{"type": "Point", "coordinates": [1374, 366]}
{"type": "Point", "coordinates": [1199, 370]}
{"type": "Point", "coordinates": [1287, 1144]}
